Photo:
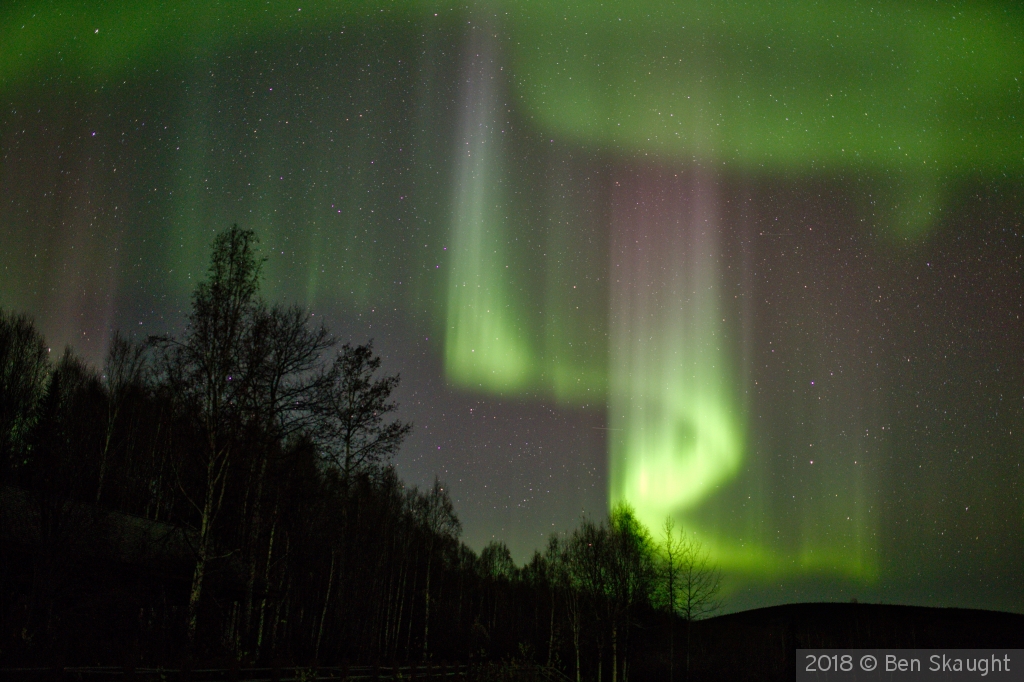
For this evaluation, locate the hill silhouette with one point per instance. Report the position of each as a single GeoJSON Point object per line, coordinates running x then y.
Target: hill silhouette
{"type": "Point", "coordinates": [761, 644]}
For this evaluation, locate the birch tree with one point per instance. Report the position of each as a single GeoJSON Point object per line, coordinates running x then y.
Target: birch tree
{"type": "Point", "coordinates": [630, 562]}
{"type": "Point", "coordinates": [669, 567]}
{"type": "Point", "coordinates": [699, 585]}
{"type": "Point", "coordinates": [205, 371]}
{"type": "Point", "coordinates": [356, 436]}
{"type": "Point", "coordinates": [437, 514]}
{"type": "Point", "coordinates": [122, 371]}
{"type": "Point", "coordinates": [283, 380]}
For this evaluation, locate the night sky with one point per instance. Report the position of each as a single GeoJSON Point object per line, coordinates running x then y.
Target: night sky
{"type": "Point", "coordinates": [755, 265]}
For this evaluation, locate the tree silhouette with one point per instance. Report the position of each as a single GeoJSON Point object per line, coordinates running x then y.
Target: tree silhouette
{"type": "Point", "coordinates": [630, 559]}
{"type": "Point", "coordinates": [24, 363]}
{"type": "Point", "coordinates": [230, 492]}
{"type": "Point", "coordinates": [699, 584]}
{"type": "Point", "coordinates": [283, 380]}
{"type": "Point", "coordinates": [57, 470]}
{"type": "Point", "coordinates": [355, 436]}
{"type": "Point", "coordinates": [205, 371]}
{"type": "Point", "coordinates": [669, 567]}
{"type": "Point", "coordinates": [437, 514]}
{"type": "Point", "coordinates": [122, 372]}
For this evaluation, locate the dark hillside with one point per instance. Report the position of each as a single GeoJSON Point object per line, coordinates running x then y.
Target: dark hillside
{"type": "Point", "coordinates": [761, 644]}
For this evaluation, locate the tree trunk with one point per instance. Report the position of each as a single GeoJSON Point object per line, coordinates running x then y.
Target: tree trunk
{"type": "Point", "coordinates": [615, 653]}
{"type": "Point", "coordinates": [412, 608]}
{"type": "Point", "coordinates": [253, 539]}
{"type": "Point", "coordinates": [462, 573]}
{"type": "Point", "coordinates": [551, 630]}
{"type": "Point", "coordinates": [401, 609]}
{"type": "Point", "coordinates": [572, 605]}
{"type": "Point", "coordinates": [687, 648]}
{"type": "Point", "coordinates": [384, 627]}
{"type": "Point", "coordinates": [576, 644]}
{"type": "Point", "coordinates": [625, 651]}
{"type": "Point", "coordinates": [671, 648]}
{"type": "Point", "coordinates": [103, 456]}
{"type": "Point", "coordinates": [214, 479]}
{"type": "Point", "coordinates": [426, 616]}
{"type": "Point", "coordinates": [285, 603]}
{"type": "Point", "coordinates": [197, 588]}
{"type": "Point", "coordinates": [266, 584]}
{"type": "Point", "coordinates": [323, 614]}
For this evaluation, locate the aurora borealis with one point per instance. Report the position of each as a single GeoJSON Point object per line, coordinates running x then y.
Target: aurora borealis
{"type": "Point", "coordinates": [756, 265]}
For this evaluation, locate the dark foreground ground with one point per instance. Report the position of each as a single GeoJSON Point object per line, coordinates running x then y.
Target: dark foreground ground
{"type": "Point", "coordinates": [761, 644]}
{"type": "Point", "coordinates": [751, 645]}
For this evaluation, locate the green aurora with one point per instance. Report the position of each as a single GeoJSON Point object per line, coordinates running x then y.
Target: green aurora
{"type": "Point", "coordinates": [917, 96]}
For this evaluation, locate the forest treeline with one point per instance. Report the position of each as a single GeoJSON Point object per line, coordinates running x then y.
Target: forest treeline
{"type": "Point", "coordinates": [229, 493]}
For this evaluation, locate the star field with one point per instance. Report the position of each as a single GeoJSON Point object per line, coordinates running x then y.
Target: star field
{"type": "Point", "coordinates": [762, 271]}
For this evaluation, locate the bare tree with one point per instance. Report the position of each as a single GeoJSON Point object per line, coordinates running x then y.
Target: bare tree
{"type": "Point", "coordinates": [64, 437]}
{"type": "Point", "coordinates": [699, 585]}
{"type": "Point", "coordinates": [569, 573]}
{"type": "Point", "coordinates": [552, 570]}
{"type": "Point", "coordinates": [498, 569]}
{"type": "Point", "coordinates": [355, 438]}
{"type": "Point", "coordinates": [283, 380]}
{"type": "Point", "coordinates": [587, 566]}
{"type": "Point", "coordinates": [282, 366]}
{"type": "Point", "coordinates": [122, 371]}
{"type": "Point", "coordinates": [437, 514]}
{"type": "Point", "coordinates": [353, 430]}
{"type": "Point", "coordinates": [669, 567]}
{"type": "Point", "coordinates": [205, 372]}
{"type": "Point", "coordinates": [631, 575]}
{"type": "Point", "coordinates": [24, 363]}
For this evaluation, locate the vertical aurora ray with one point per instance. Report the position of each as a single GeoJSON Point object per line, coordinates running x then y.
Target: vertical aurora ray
{"type": "Point", "coordinates": [675, 429]}
{"type": "Point", "coordinates": [575, 280]}
{"type": "Point", "coordinates": [421, 171]}
{"type": "Point", "coordinates": [787, 496]}
{"type": "Point", "coordinates": [190, 201]}
{"type": "Point", "coordinates": [484, 345]}
{"type": "Point", "coordinates": [807, 500]}
{"type": "Point", "coordinates": [62, 246]}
